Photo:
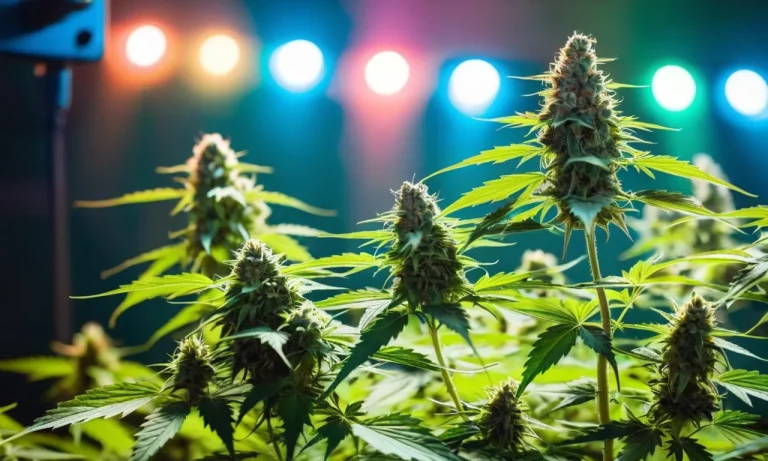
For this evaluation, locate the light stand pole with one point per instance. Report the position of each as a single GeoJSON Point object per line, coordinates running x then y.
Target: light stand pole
{"type": "Point", "coordinates": [54, 34]}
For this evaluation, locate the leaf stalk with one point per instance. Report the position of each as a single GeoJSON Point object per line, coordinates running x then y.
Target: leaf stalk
{"type": "Point", "coordinates": [603, 409]}
{"type": "Point", "coordinates": [449, 386]}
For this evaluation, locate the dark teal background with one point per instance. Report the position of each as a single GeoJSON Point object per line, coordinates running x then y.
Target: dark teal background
{"type": "Point", "coordinates": [115, 142]}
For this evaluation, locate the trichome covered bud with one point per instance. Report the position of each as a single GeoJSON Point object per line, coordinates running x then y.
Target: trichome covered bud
{"type": "Point", "coordinates": [428, 268]}
{"type": "Point", "coordinates": [502, 420]}
{"type": "Point", "coordinates": [582, 132]}
{"type": "Point", "coordinates": [261, 290]}
{"type": "Point", "coordinates": [262, 298]}
{"type": "Point", "coordinates": [191, 367]}
{"type": "Point", "coordinates": [221, 215]}
{"type": "Point", "coordinates": [684, 390]}
{"type": "Point", "coordinates": [306, 325]}
{"type": "Point", "coordinates": [213, 163]}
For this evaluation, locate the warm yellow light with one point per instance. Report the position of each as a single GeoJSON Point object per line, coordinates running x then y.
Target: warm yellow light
{"type": "Point", "coordinates": [219, 54]}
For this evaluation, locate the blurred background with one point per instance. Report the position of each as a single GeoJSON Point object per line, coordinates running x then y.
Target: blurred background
{"type": "Point", "coordinates": [345, 99]}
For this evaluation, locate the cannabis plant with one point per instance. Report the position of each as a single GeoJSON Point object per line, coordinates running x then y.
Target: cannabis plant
{"type": "Point", "coordinates": [583, 142]}
{"type": "Point", "coordinates": [426, 262]}
{"type": "Point", "coordinates": [224, 206]}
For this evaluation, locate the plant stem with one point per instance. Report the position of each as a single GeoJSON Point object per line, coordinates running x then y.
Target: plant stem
{"type": "Point", "coordinates": [603, 410]}
{"type": "Point", "coordinates": [275, 445]}
{"type": "Point", "coordinates": [444, 370]}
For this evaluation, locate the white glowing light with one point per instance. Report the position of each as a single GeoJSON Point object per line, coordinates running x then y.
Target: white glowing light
{"type": "Point", "coordinates": [747, 92]}
{"type": "Point", "coordinates": [674, 88]}
{"type": "Point", "coordinates": [297, 66]}
{"type": "Point", "coordinates": [386, 73]}
{"type": "Point", "coordinates": [145, 46]}
{"type": "Point", "coordinates": [473, 86]}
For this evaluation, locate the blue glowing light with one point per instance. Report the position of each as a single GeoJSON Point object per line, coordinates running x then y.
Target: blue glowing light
{"type": "Point", "coordinates": [473, 86]}
{"type": "Point", "coordinates": [297, 66]}
{"type": "Point", "coordinates": [747, 92]}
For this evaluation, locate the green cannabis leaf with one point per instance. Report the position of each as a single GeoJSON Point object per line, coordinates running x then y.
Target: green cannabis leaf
{"type": "Point", "coordinates": [217, 415]}
{"type": "Point", "coordinates": [383, 330]}
{"type": "Point", "coordinates": [295, 409]}
{"type": "Point", "coordinates": [552, 345]}
{"type": "Point", "coordinates": [402, 436]}
{"type": "Point", "coordinates": [105, 402]}
{"type": "Point", "coordinates": [159, 427]}
{"type": "Point", "coordinates": [640, 445]}
{"type": "Point", "coordinates": [405, 357]}
{"type": "Point", "coordinates": [743, 384]}
{"type": "Point", "coordinates": [145, 196]}
{"type": "Point", "coordinates": [595, 339]}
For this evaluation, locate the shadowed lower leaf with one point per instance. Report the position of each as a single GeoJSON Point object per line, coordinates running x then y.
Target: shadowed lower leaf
{"type": "Point", "coordinates": [595, 339]}
{"type": "Point", "coordinates": [217, 415]}
{"type": "Point", "coordinates": [295, 409]}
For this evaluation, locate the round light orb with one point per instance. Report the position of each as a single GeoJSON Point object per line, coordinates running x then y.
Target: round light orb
{"type": "Point", "coordinates": [747, 92]}
{"type": "Point", "coordinates": [219, 54]}
{"type": "Point", "coordinates": [297, 66]}
{"type": "Point", "coordinates": [145, 46]}
{"type": "Point", "coordinates": [386, 73]}
{"type": "Point", "coordinates": [674, 88]}
{"type": "Point", "coordinates": [473, 86]}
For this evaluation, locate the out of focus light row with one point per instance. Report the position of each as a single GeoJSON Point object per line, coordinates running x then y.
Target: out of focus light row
{"type": "Point", "coordinates": [298, 66]}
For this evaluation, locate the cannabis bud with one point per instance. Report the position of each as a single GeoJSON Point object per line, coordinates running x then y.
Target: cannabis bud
{"type": "Point", "coordinates": [221, 216]}
{"type": "Point", "coordinates": [255, 264]}
{"type": "Point", "coordinates": [213, 163]}
{"type": "Point", "coordinates": [92, 347]}
{"type": "Point", "coordinates": [95, 360]}
{"type": "Point", "coordinates": [684, 390]}
{"type": "Point", "coordinates": [582, 133]}
{"type": "Point", "coordinates": [306, 324]}
{"type": "Point", "coordinates": [260, 296]}
{"type": "Point", "coordinates": [428, 267]}
{"type": "Point", "coordinates": [415, 208]}
{"type": "Point", "coordinates": [538, 260]}
{"type": "Point", "coordinates": [262, 288]}
{"type": "Point", "coordinates": [191, 367]}
{"type": "Point", "coordinates": [501, 419]}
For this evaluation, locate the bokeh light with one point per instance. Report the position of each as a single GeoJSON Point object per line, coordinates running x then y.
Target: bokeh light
{"type": "Point", "coordinates": [473, 86]}
{"type": "Point", "coordinates": [674, 88]}
{"type": "Point", "coordinates": [747, 92]}
{"type": "Point", "coordinates": [386, 73]}
{"type": "Point", "coordinates": [145, 46]}
{"type": "Point", "coordinates": [297, 66]}
{"type": "Point", "coordinates": [219, 54]}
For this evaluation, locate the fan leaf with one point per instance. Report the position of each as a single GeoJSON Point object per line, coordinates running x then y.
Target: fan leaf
{"type": "Point", "coordinates": [159, 427]}
{"type": "Point", "coordinates": [151, 195]}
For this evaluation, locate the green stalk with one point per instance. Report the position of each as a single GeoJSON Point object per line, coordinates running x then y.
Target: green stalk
{"type": "Point", "coordinates": [603, 410]}
{"type": "Point", "coordinates": [275, 445]}
{"type": "Point", "coordinates": [444, 370]}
